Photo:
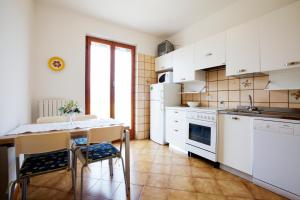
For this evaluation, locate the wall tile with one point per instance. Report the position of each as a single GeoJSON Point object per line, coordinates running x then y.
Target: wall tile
{"type": "Point", "coordinates": [212, 86]}
{"type": "Point", "coordinates": [261, 104]}
{"type": "Point", "coordinates": [223, 96]}
{"type": "Point", "coordinates": [223, 104]}
{"type": "Point", "coordinates": [223, 85]}
{"type": "Point", "coordinates": [141, 57]}
{"type": "Point", "coordinates": [213, 96]}
{"type": "Point", "coordinates": [147, 59]}
{"type": "Point", "coordinates": [281, 96]}
{"type": "Point", "coordinates": [260, 82]}
{"type": "Point", "coordinates": [246, 83]}
{"type": "Point", "coordinates": [233, 104]}
{"type": "Point", "coordinates": [212, 75]}
{"type": "Point", "coordinates": [222, 75]}
{"type": "Point", "coordinates": [213, 104]}
{"type": "Point", "coordinates": [294, 105]}
{"type": "Point", "coordinates": [204, 104]}
{"type": "Point", "coordinates": [234, 84]}
{"type": "Point", "coordinates": [141, 65]}
{"type": "Point", "coordinates": [279, 105]}
{"type": "Point", "coordinates": [245, 95]}
{"type": "Point", "coordinates": [234, 96]}
{"type": "Point", "coordinates": [294, 96]}
{"type": "Point", "coordinates": [261, 96]}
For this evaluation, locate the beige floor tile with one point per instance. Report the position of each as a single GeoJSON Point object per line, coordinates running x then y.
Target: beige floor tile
{"type": "Point", "coordinates": [234, 188]}
{"type": "Point", "coordinates": [103, 189]}
{"type": "Point", "coordinates": [180, 161]}
{"type": "Point", "coordinates": [160, 169]}
{"type": "Point", "coordinates": [199, 163]}
{"type": "Point", "coordinates": [238, 198]}
{"type": "Point", "coordinates": [223, 175]}
{"type": "Point", "coordinates": [141, 166]}
{"type": "Point", "coordinates": [209, 186]}
{"type": "Point", "coordinates": [158, 180]}
{"type": "Point", "coordinates": [260, 193]}
{"type": "Point", "coordinates": [135, 192]}
{"type": "Point", "coordinates": [204, 196]}
{"type": "Point", "coordinates": [181, 183]}
{"type": "Point", "coordinates": [165, 160]}
{"type": "Point", "coordinates": [202, 172]}
{"type": "Point", "coordinates": [151, 193]}
{"type": "Point", "coordinates": [179, 170]}
{"type": "Point", "coordinates": [138, 178]}
{"type": "Point", "coordinates": [181, 195]}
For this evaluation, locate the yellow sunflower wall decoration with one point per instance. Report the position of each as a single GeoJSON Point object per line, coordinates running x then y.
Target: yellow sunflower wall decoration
{"type": "Point", "coordinates": [56, 64]}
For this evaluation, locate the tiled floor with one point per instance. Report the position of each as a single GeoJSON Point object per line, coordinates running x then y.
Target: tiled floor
{"type": "Point", "coordinates": [156, 173]}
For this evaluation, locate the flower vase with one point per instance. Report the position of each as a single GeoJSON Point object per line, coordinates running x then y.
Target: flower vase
{"type": "Point", "coordinates": [71, 117]}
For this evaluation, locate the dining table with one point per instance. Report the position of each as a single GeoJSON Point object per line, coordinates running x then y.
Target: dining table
{"type": "Point", "coordinates": [76, 129]}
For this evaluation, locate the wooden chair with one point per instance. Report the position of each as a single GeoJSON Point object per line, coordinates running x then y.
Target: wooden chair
{"type": "Point", "coordinates": [44, 153]}
{"type": "Point", "coordinates": [99, 148]}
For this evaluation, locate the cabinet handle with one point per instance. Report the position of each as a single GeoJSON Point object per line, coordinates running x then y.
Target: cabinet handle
{"type": "Point", "coordinates": [241, 70]}
{"type": "Point", "coordinates": [292, 63]}
{"type": "Point", "coordinates": [175, 130]}
{"type": "Point", "coordinates": [235, 118]}
{"type": "Point", "coordinates": [208, 54]}
{"type": "Point", "coordinates": [175, 111]}
{"type": "Point", "coordinates": [175, 121]}
{"type": "Point", "coordinates": [183, 79]}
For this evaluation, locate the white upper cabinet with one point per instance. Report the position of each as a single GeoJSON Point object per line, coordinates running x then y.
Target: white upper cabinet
{"type": "Point", "coordinates": [242, 49]}
{"type": "Point", "coordinates": [280, 38]}
{"type": "Point", "coordinates": [164, 62]}
{"type": "Point", "coordinates": [183, 64]}
{"type": "Point", "coordinates": [210, 52]}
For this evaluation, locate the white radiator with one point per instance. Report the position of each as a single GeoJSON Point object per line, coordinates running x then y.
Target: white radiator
{"type": "Point", "coordinates": [49, 107]}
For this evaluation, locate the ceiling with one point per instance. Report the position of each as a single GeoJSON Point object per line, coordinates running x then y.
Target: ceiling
{"type": "Point", "coordinates": [161, 18]}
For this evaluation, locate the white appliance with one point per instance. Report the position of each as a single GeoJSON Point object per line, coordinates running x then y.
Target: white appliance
{"type": "Point", "coordinates": [162, 95]}
{"type": "Point", "coordinates": [165, 77]}
{"type": "Point", "coordinates": [202, 132]}
{"type": "Point", "coordinates": [277, 155]}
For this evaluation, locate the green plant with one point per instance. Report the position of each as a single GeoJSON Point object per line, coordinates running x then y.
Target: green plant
{"type": "Point", "coordinates": [70, 107]}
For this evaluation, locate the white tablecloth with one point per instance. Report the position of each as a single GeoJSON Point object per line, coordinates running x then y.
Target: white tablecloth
{"type": "Point", "coordinates": [34, 128]}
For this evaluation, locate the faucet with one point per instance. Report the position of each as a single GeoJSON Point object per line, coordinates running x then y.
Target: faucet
{"type": "Point", "coordinates": [251, 107]}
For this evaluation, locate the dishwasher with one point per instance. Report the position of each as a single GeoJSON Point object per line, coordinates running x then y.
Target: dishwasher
{"type": "Point", "coordinates": [276, 155]}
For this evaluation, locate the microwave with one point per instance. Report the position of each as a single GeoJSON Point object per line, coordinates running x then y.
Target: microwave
{"type": "Point", "coordinates": [165, 77]}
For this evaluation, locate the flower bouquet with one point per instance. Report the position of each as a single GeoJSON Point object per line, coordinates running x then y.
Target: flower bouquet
{"type": "Point", "coordinates": [70, 108]}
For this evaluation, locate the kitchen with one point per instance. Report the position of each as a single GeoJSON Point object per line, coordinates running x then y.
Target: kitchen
{"type": "Point", "coordinates": [152, 99]}
{"type": "Point", "coordinates": [237, 105]}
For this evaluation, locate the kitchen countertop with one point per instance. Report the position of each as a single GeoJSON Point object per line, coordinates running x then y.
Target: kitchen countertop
{"type": "Point", "coordinates": [279, 113]}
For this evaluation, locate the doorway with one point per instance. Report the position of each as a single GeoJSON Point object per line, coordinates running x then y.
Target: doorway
{"type": "Point", "coordinates": [110, 80]}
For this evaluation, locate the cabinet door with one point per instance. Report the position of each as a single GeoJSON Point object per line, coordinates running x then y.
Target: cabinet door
{"type": "Point", "coordinates": [242, 49]}
{"type": "Point", "coordinates": [235, 142]}
{"type": "Point", "coordinates": [163, 62]}
{"type": "Point", "coordinates": [183, 64]}
{"type": "Point", "coordinates": [210, 52]}
{"type": "Point", "coordinates": [176, 128]}
{"type": "Point", "coordinates": [280, 38]}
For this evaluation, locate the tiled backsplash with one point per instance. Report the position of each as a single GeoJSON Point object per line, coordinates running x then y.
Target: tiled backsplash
{"type": "Point", "coordinates": [145, 75]}
{"type": "Point", "coordinates": [229, 92]}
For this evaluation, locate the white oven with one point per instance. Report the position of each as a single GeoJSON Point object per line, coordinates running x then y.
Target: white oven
{"type": "Point", "coordinates": [202, 133]}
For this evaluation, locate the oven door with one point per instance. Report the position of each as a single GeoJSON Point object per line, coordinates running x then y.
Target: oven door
{"type": "Point", "coordinates": [202, 135]}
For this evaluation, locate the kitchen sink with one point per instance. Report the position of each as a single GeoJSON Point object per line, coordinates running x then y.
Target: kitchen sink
{"type": "Point", "coordinates": [245, 111]}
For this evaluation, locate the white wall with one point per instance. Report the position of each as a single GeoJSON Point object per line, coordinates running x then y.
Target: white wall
{"type": "Point", "coordinates": [15, 48]}
{"type": "Point", "coordinates": [233, 15]}
{"type": "Point", "coordinates": [62, 33]}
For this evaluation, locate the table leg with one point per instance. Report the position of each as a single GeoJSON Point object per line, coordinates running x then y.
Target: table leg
{"type": "Point", "coordinates": [4, 171]}
{"type": "Point", "coordinates": [127, 157]}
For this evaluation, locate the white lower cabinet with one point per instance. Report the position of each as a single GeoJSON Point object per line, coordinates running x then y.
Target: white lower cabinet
{"type": "Point", "coordinates": [235, 142]}
{"type": "Point", "coordinates": [176, 128]}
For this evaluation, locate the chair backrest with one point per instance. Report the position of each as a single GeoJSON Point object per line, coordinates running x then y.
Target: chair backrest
{"type": "Point", "coordinates": [42, 142]}
{"type": "Point", "coordinates": [104, 134]}
{"type": "Point", "coordinates": [84, 117]}
{"type": "Point", "coordinates": [52, 119]}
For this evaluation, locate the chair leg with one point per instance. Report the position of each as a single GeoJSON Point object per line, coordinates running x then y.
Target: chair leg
{"type": "Point", "coordinates": [74, 178]}
{"type": "Point", "coordinates": [125, 179]}
{"type": "Point", "coordinates": [81, 183]}
{"type": "Point", "coordinates": [24, 188]}
{"type": "Point", "coordinates": [12, 190]}
{"type": "Point", "coordinates": [111, 170]}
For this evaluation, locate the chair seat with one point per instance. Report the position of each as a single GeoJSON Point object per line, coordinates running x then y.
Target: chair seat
{"type": "Point", "coordinates": [80, 141]}
{"type": "Point", "coordinates": [44, 163]}
{"type": "Point", "coordinates": [100, 151]}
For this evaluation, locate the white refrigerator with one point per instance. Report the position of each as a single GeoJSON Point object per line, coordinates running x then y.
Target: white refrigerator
{"type": "Point", "coordinates": [162, 95]}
